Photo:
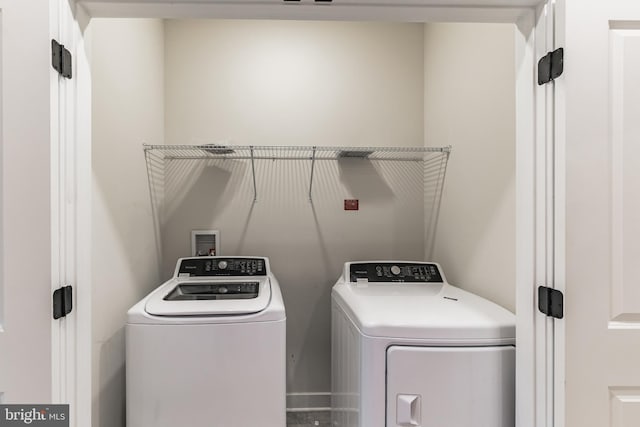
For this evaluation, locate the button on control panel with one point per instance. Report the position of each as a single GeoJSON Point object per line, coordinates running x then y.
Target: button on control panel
{"type": "Point", "coordinates": [395, 272]}
{"type": "Point", "coordinates": [217, 266]}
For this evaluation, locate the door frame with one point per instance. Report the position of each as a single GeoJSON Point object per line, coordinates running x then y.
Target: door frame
{"type": "Point", "coordinates": [535, 167]}
{"type": "Point", "coordinates": [70, 186]}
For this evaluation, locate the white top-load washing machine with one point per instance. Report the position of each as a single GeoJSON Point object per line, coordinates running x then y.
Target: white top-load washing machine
{"type": "Point", "coordinates": [408, 349]}
{"type": "Point", "coordinates": [207, 348]}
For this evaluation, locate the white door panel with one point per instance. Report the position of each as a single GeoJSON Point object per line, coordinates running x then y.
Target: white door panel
{"type": "Point", "coordinates": [625, 407]}
{"type": "Point", "coordinates": [625, 127]}
{"type": "Point", "coordinates": [598, 100]}
{"type": "Point", "coordinates": [25, 244]}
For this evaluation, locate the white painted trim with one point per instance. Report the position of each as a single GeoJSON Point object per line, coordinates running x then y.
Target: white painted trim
{"type": "Point", "coordinates": [83, 397]}
{"type": "Point", "coordinates": [454, 11]}
{"type": "Point", "coordinates": [307, 4]}
{"type": "Point", "coordinates": [547, 262]}
{"type": "Point", "coordinates": [2, 280]}
{"type": "Point", "coordinates": [71, 218]}
{"type": "Point", "coordinates": [544, 227]}
{"type": "Point", "coordinates": [525, 221]}
{"type": "Point", "coordinates": [560, 220]}
{"type": "Point", "coordinates": [545, 243]}
{"type": "Point", "coordinates": [57, 355]}
{"type": "Point", "coordinates": [67, 205]}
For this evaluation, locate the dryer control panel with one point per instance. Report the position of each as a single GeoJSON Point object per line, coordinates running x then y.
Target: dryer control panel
{"type": "Point", "coordinates": [221, 266]}
{"type": "Point", "coordinates": [394, 272]}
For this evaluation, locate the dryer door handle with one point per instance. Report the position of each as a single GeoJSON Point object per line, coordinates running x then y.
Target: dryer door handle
{"type": "Point", "coordinates": [408, 410]}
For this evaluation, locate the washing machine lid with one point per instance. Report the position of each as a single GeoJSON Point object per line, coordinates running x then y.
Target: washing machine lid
{"type": "Point", "coordinates": [210, 297]}
{"type": "Point", "coordinates": [426, 308]}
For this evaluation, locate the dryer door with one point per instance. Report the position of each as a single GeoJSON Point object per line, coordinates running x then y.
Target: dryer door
{"type": "Point", "coordinates": [451, 386]}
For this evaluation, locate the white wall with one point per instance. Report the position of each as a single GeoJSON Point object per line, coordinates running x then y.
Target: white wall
{"type": "Point", "coordinates": [128, 109]}
{"type": "Point", "coordinates": [326, 83]}
{"type": "Point", "coordinates": [297, 83]}
{"type": "Point", "coordinates": [470, 104]}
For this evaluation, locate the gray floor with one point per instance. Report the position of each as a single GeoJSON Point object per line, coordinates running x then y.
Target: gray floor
{"type": "Point", "coordinates": [309, 419]}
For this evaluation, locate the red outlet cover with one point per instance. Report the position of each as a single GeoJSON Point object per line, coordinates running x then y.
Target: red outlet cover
{"type": "Point", "coordinates": [351, 205]}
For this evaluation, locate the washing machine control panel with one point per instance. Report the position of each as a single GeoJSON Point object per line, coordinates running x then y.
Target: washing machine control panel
{"type": "Point", "coordinates": [394, 272]}
{"type": "Point", "coordinates": [218, 266]}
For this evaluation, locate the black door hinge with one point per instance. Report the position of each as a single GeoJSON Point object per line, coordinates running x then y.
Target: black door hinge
{"type": "Point", "coordinates": [551, 66]}
{"type": "Point", "coordinates": [61, 59]}
{"type": "Point", "coordinates": [551, 302]}
{"type": "Point", "coordinates": [62, 301]}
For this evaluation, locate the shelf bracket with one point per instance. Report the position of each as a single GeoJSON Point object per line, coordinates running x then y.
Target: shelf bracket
{"type": "Point", "coordinates": [253, 172]}
{"type": "Point", "coordinates": [313, 163]}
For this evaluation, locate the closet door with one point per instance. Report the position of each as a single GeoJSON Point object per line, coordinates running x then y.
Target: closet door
{"type": "Point", "coordinates": [598, 129]}
{"type": "Point", "coordinates": [25, 203]}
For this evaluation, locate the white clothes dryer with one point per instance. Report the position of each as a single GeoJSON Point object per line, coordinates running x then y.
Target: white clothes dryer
{"type": "Point", "coordinates": [408, 349]}
{"type": "Point", "coordinates": [207, 348]}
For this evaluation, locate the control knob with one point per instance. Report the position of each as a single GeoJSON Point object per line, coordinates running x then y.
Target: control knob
{"type": "Point", "coordinates": [395, 270]}
{"type": "Point", "coordinates": [222, 265]}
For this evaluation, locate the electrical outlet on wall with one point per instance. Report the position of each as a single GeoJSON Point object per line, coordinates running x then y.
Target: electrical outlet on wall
{"type": "Point", "coordinates": [351, 205]}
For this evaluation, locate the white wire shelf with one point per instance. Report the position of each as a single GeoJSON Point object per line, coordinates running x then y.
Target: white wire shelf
{"type": "Point", "coordinates": [253, 153]}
